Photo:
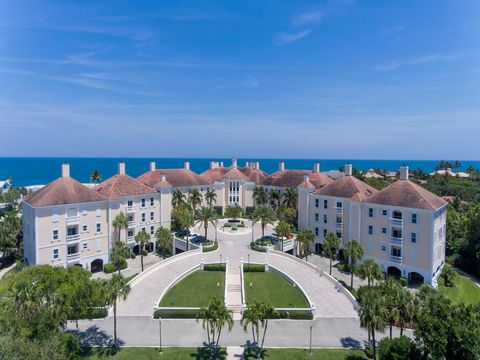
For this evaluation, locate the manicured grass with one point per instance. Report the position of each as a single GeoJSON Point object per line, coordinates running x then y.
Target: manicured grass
{"type": "Point", "coordinates": [151, 353]}
{"type": "Point", "coordinates": [317, 354]}
{"type": "Point", "coordinates": [272, 288]}
{"type": "Point", "coordinates": [464, 291]}
{"type": "Point", "coordinates": [196, 290]}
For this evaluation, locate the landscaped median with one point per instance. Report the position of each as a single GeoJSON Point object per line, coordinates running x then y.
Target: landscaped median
{"type": "Point", "coordinates": [185, 298]}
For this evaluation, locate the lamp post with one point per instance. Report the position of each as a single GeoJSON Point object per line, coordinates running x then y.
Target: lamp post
{"type": "Point", "coordinates": [160, 333]}
{"type": "Point", "coordinates": [248, 261]}
{"type": "Point", "coordinates": [311, 328]}
{"type": "Point", "coordinates": [251, 291]}
{"type": "Point", "coordinates": [218, 288]}
{"type": "Point", "coordinates": [220, 258]}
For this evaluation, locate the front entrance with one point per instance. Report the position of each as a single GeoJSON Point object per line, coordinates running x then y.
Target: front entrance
{"type": "Point", "coordinates": [96, 266]}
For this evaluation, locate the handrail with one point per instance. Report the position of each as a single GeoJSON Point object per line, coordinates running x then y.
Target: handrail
{"type": "Point", "coordinates": [242, 284]}
{"type": "Point", "coordinates": [225, 283]}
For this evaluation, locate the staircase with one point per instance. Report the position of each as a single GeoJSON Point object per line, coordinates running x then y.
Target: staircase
{"type": "Point", "coordinates": [234, 292]}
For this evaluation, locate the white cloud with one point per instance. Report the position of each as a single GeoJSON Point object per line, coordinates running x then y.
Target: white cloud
{"type": "Point", "coordinates": [308, 18]}
{"type": "Point", "coordinates": [285, 38]}
{"type": "Point", "coordinates": [424, 59]}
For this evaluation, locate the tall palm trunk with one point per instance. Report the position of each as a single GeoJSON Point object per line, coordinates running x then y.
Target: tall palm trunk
{"type": "Point", "coordinates": [402, 325]}
{"type": "Point", "coordinates": [374, 346]}
{"type": "Point", "coordinates": [264, 333]}
{"type": "Point", "coordinates": [141, 256]}
{"type": "Point", "coordinates": [369, 340]}
{"type": "Point", "coordinates": [351, 279]}
{"type": "Point", "coordinates": [391, 326]}
{"type": "Point", "coordinates": [263, 230]}
{"type": "Point", "coordinates": [206, 229]}
{"type": "Point", "coordinates": [216, 343]}
{"type": "Point", "coordinates": [115, 324]}
{"type": "Point", "coordinates": [208, 333]}
{"type": "Point", "coordinates": [330, 263]}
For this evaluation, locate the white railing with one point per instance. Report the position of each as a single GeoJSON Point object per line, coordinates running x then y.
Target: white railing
{"type": "Point", "coordinates": [130, 208]}
{"type": "Point", "coordinates": [242, 286]}
{"type": "Point", "coordinates": [73, 255]}
{"type": "Point", "coordinates": [75, 237]}
{"type": "Point", "coordinates": [131, 222]}
{"type": "Point", "coordinates": [338, 210]}
{"type": "Point", "coordinates": [396, 240]}
{"type": "Point", "coordinates": [73, 220]}
{"type": "Point", "coordinates": [225, 282]}
{"type": "Point", "coordinates": [396, 221]}
{"type": "Point", "coordinates": [397, 259]}
{"type": "Point", "coordinates": [339, 225]}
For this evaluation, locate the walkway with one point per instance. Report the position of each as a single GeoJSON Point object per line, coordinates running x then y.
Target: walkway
{"type": "Point", "coordinates": [234, 291]}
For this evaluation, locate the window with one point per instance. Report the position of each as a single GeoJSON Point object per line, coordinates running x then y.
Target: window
{"type": "Point", "coordinates": [339, 235]}
{"type": "Point", "coordinates": [324, 218]}
{"type": "Point", "coordinates": [414, 218]}
{"type": "Point", "coordinates": [72, 250]}
{"type": "Point", "coordinates": [55, 254]}
{"type": "Point", "coordinates": [324, 232]}
{"type": "Point", "coordinates": [129, 203]}
{"type": "Point", "coordinates": [396, 252]}
{"type": "Point", "coordinates": [370, 212]}
{"type": "Point", "coordinates": [339, 204]}
{"type": "Point", "coordinates": [130, 233]}
{"type": "Point", "coordinates": [143, 217]}
{"type": "Point", "coordinates": [316, 231]}
{"type": "Point", "coordinates": [317, 203]}
{"type": "Point", "coordinates": [339, 220]}
{"type": "Point", "coordinates": [370, 230]}
{"type": "Point", "coordinates": [384, 212]}
{"type": "Point", "coordinates": [152, 230]}
{"type": "Point", "coordinates": [384, 230]}
{"type": "Point", "coordinates": [384, 248]}
{"type": "Point", "coordinates": [71, 231]}
{"type": "Point", "coordinates": [55, 235]}
{"type": "Point", "coordinates": [152, 201]}
{"type": "Point", "coordinates": [325, 204]}
{"type": "Point", "coordinates": [85, 246]}
{"type": "Point", "coordinates": [84, 228]}
{"type": "Point", "coordinates": [143, 229]}
{"type": "Point", "coordinates": [143, 203]}
{"type": "Point", "coordinates": [413, 237]}
{"type": "Point", "coordinates": [98, 228]}
{"type": "Point", "coordinates": [317, 216]}
{"type": "Point", "coordinates": [152, 216]}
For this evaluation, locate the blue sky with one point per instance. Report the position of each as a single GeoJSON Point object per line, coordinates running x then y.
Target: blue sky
{"type": "Point", "coordinates": [279, 79]}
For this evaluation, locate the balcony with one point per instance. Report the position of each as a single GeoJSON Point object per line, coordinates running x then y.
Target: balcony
{"type": "Point", "coordinates": [131, 222]}
{"type": "Point", "coordinates": [339, 225]}
{"type": "Point", "coordinates": [73, 256]}
{"type": "Point", "coordinates": [396, 240]}
{"type": "Point", "coordinates": [71, 220]}
{"type": "Point", "coordinates": [396, 259]}
{"type": "Point", "coordinates": [338, 210]}
{"type": "Point", "coordinates": [130, 239]}
{"type": "Point", "coordinates": [396, 222]}
{"type": "Point", "coordinates": [130, 208]}
{"type": "Point", "coordinates": [74, 237]}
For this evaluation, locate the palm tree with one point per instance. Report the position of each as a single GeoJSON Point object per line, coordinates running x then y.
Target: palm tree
{"type": "Point", "coordinates": [267, 311]}
{"type": "Point", "coordinates": [354, 252]}
{"type": "Point", "coordinates": [290, 198]}
{"type": "Point", "coordinates": [164, 240]}
{"type": "Point", "coordinates": [142, 238]}
{"type": "Point", "coordinates": [407, 309]}
{"type": "Point", "coordinates": [183, 218]}
{"type": "Point", "coordinates": [178, 198]}
{"type": "Point", "coordinates": [274, 196]}
{"type": "Point", "coordinates": [391, 290]}
{"type": "Point", "coordinates": [371, 271]}
{"type": "Point", "coordinates": [265, 215]}
{"type": "Point", "coordinates": [372, 314]}
{"type": "Point", "coordinates": [332, 245]}
{"type": "Point", "coordinates": [205, 216]}
{"type": "Point", "coordinates": [194, 199]}
{"type": "Point", "coordinates": [283, 229]}
{"type": "Point", "coordinates": [115, 289]}
{"type": "Point", "coordinates": [448, 275]}
{"type": "Point", "coordinates": [95, 177]}
{"type": "Point", "coordinates": [120, 252]}
{"type": "Point", "coordinates": [211, 197]}
{"type": "Point", "coordinates": [252, 316]}
{"type": "Point", "coordinates": [260, 195]}
{"type": "Point", "coordinates": [305, 238]}
{"type": "Point", "coordinates": [120, 222]}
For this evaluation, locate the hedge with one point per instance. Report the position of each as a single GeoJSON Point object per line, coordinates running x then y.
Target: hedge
{"type": "Point", "coordinates": [176, 313]}
{"type": "Point", "coordinates": [294, 315]}
{"type": "Point", "coordinates": [218, 210]}
{"type": "Point", "coordinates": [210, 248]}
{"type": "Point", "coordinates": [257, 248]}
{"type": "Point", "coordinates": [95, 313]}
{"type": "Point", "coordinates": [249, 210]}
{"type": "Point", "coordinates": [110, 268]}
{"type": "Point", "coordinates": [227, 225]}
{"type": "Point", "coordinates": [253, 267]}
{"type": "Point", "coordinates": [214, 267]}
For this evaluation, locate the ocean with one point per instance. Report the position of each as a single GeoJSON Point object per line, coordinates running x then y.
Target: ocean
{"type": "Point", "coordinates": [36, 171]}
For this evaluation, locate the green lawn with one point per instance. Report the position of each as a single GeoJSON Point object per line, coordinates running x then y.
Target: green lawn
{"type": "Point", "coordinates": [464, 291]}
{"type": "Point", "coordinates": [317, 354]}
{"type": "Point", "coordinates": [270, 287]}
{"type": "Point", "coordinates": [151, 353]}
{"type": "Point", "coordinates": [196, 290]}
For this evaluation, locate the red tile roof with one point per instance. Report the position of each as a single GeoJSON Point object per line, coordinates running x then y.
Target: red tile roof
{"type": "Point", "coordinates": [348, 187]}
{"type": "Point", "coordinates": [176, 177]}
{"type": "Point", "coordinates": [254, 175]}
{"type": "Point", "coordinates": [121, 185]}
{"type": "Point", "coordinates": [234, 174]}
{"type": "Point", "coordinates": [406, 193]}
{"type": "Point", "coordinates": [216, 174]}
{"type": "Point", "coordinates": [62, 191]}
{"type": "Point", "coordinates": [293, 178]}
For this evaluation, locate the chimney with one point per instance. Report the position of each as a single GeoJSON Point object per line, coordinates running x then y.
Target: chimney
{"type": "Point", "coordinates": [234, 161]}
{"type": "Point", "coordinates": [221, 163]}
{"type": "Point", "coordinates": [281, 166]}
{"type": "Point", "coordinates": [163, 177]}
{"type": "Point", "coordinates": [213, 165]}
{"type": "Point", "coordinates": [257, 165]}
{"type": "Point", "coordinates": [348, 169]}
{"type": "Point", "coordinates": [316, 167]}
{"type": "Point", "coordinates": [65, 170]}
{"type": "Point", "coordinates": [121, 168]}
{"type": "Point", "coordinates": [247, 164]}
{"type": "Point", "coordinates": [152, 165]}
{"type": "Point", "coordinates": [186, 165]}
{"type": "Point", "coordinates": [403, 172]}
{"type": "Point", "coordinates": [306, 178]}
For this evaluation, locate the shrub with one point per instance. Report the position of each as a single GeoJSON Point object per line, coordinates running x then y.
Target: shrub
{"type": "Point", "coordinates": [249, 210]}
{"type": "Point", "coordinates": [145, 252]}
{"type": "Point", "coordinates": [294, 315]}
{"type": "Point", "coordinates": [175, 313]}
{"type": "Point", "coordinates": [343, 266]}
{"type": "Point", "coordinates": [214, 267]}
{"type": "Point", "coordinates": [227, 225]}
{"type": "Point", "coordinates": [110, 268]}
{"type": "Point", "coordinates": [210, 248]}
{"type": "Point", "coordinates": [401, 348]}
{"type": "Point", "coordinates": [94, 313]}
{"type": "Point", "coordinates": [403, 281]}
{"type": "Point", "coordinates": [133, 256]}
{"type": "Point", "coordinates": [218, 210]}
{"type": "Point", "coordinates": [257, 248]}
{"type": "Point", "coordinates": [71, 346]}
{"type": "Point", "coordinates": [253, 267]}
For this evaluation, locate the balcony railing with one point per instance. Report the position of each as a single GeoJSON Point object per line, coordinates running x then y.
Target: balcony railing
{"type": "Point", "coordinates": [73, 255]}
{"type": "Point", "coordinates": [130, 238]}
{"type": "Point", "coordinates": [397, 259]}
{"type": "Point", "coordinates": [130, 208]}
{"type": "Point", "coordinates": [75, 237]}
{"type": "Point", "coordinates": [73, 220]}
{"type": "Point", "coordinates": [131, 222]}
{"type": "Point", "coordinates": [396, 221]}
{"type": "Point", "coordinates": [339, 225]}
{"type": "Point", "coordinates": [338, 210]}
{"type": "Point", "coordinates": [396, 240]}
